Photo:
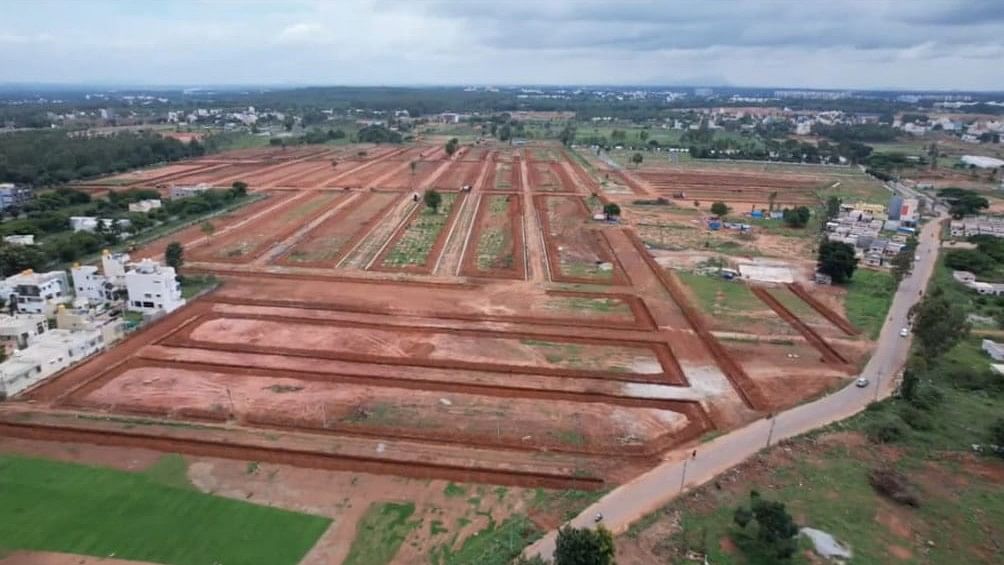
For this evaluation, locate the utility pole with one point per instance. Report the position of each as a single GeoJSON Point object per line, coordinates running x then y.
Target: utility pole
{"type": "Point", "coordinates": [683, 478]}
{"type": "Point", "coordinates": [770, 433]}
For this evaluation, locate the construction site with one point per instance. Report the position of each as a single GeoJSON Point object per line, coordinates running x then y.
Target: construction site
{"type": "Point", "coordinates": [506, 336]}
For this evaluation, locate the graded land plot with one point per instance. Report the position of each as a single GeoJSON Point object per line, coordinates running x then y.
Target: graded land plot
{"type": "Point", "coordinates": [150, 174]}
{"type": "Point", "coordinates": [411, 178]}
{"type": "Point", "coordinates": [582, 170]}
{"type": "Point", "coordinates": [730, 306]}
{"type": "Point", "coordinates": [422, 346]}
{"type": "Point", "coordinates": [386, 411]}
{"type": "Point", "coordinates": [565, 180]}
{"type": "Point", "coordinates": [365, 177]}
{"type": "Point", "coordinates": [285, 175]}
{"type": "Point", "coordinates": [243, 244]}
{"type": "Point", "coordinates": [503, 175]}
{"type": "Point", "coordinates": [542, 177]}
{"type": "Point", "coordinates": [461, 173]}
{"type": "Point", "coordinates": [497, 301]}
{"type": "Point", "coordinates": [805, 312]}
{"type": "Point", "coordinates": [496, 245]}
{"type": "Point", "coordinates": [787, 370]}
{"type": "Point", "coordinates": [328, 242]}
{"type": "Point", "coordinates": [575, 252]}
{"type": "Point", "coordinates": [54, 506]}
{"type": "Point", "coordinates": [735, 186]}
{"type": "Point", "coordinates": [419, 241]}
{"type": "Point", "coordinates": [193, 235]}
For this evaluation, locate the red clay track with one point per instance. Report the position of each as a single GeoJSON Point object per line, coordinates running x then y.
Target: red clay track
{"type": "Point", "coordinates": [747, 389]}
{"type": "Point", "coordinates": [830, 355]}
{"type": "Point", "coordinates": [824, 310]}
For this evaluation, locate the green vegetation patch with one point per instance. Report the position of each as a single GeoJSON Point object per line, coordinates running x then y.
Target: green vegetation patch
{"type": "Point", "coordinates": [65, 507]}
{"type": "Point", "coordinates": [415, 244]}
{"type": "Point", "coordinates": [588, 304]}
{"type": "Point", "coordinates": [380, 533]}
{"type": "Point", "coordinates": [869, 296]}
{"type": "Point", "coordinates": [495, 544]}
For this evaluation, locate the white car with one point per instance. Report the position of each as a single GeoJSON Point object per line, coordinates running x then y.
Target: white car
{"type": "Point", "coordinates": [861, 382]}
{"type": "Point", "coordinates": [904, 332]}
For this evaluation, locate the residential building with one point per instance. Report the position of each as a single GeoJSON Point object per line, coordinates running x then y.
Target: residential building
{"type": "Point", "coordinates": [90, 223]}
{"type": "Point", "coordinates": [36, 293]}
{"type": "Point", "coordinates": [20, 330]}
{"type": "Point", "coordinates": [112, 328]}
{"type": "Point", "coordinates": [968, 280]}
{"type": "Point", "coordinates": [52, 352]}
{"type": "Point", "coordinates": [185, 191]}
{"type": "Point", "coordinates": [144, 206]}
{"type": "Point", "coordinates": [20, 240]}
{"type": "Point", "coordinates": [14, 195]}
{"type": "Point", "coordinates": [152, 288]}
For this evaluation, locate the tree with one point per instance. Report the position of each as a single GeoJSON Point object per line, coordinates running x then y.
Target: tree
{"type": "Point", "coordinates": [611, 210]}
{"type": "Point", "coordinates": [239, 188]}
{"type": "Point", "coordinates": [938, 323]}
{"type": "Point", "coordinates": [432, 199]}
{"type": "Point", "coordinates": [451, 146]}
{"type": "Point", "coordinates": [174, 255]}
{"type": "Point", "coordinates": [832, 207]}
{"type": "Point", "coordinates": [643, 135]}
{"type": "Point", "coordinates": [583, 546]}
{"type": "Point", "coordinates": [208, 228]}
{"type": "Point", "coordinates": [637, 158]}
{"type": "Point", "coordinates": [796, 217]}
{"type": "Point", "coordinates": [774, 528]}
{"type": "Point", "coordinates": [719, 209]}
{"type": "Point", "coordinates": [567, 135]}
{"type": "Point", "coordinates": [837, 260]}
{"type": "Point", "coordinates": [901, 264]}
{"type": "Point", "coordinates": [16, 258]}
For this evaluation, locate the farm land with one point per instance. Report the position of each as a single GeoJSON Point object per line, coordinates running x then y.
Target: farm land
{"type": "Point", "coordinates": [506, 346]}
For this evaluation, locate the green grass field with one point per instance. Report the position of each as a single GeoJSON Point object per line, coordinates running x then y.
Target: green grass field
{"type": "Point", "coordinates": [869, 296]}
{"type": "Point", "coordinates": [418, 238]}
{"type": "Point", "coordinates": [380, 533]}
{"type": "Point", "coordinates": [154, 516]}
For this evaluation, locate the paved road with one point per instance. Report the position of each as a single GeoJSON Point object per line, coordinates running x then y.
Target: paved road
{"type": "Point", "coordinates": [654, 489]}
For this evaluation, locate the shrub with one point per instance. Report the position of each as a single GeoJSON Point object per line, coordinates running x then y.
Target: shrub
{"type": "Point", "coordinates": [916, 418]}
{"type": "Point", "coordinates": [893, 485]}
{"type": "Point", "coordinates": [886, 429]}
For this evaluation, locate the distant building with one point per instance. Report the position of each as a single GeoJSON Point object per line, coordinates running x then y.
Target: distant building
{"type": "Point", "coordinates": [144, 206]}
{"type": "Point", "coordinates": [982, 162]}
{"type": "Point", "coordinates": [36, 293]}
{"type": "Point", "coordinates": [90, 223]}
{"type": "Point", "coordinates": [13, 195]}
{"type": "Point", "coordinates": [152, 288]}
{"type": "Point", "coordinates": [20, 240]}
{"type": "Point", "coordinates": [185, 191]}
{"type": "Point", "coordinates": [993, 349]}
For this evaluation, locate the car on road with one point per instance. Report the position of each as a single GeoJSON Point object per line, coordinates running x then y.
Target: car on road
{"type": "Point", "coordinates": [862, 382]}
{"type": "Point", "coordinates": [904, 332]}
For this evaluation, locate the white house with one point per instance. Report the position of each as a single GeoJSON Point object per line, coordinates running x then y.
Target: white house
{"type": "Point", "coordinates": [20, 330]}
{"type": "Point", "coordinates": [993, 349]}
{"type": "Point", "coordinates": [184, 191]}
{"type": "Point", "coordinates": [144, 206]}
{"type": "Point", "coordinates": [90, 223]}
{"type": "Point", "coordinates": [51, 353]}
{"type": "Point", "coordinates": [36, 293]}
{"type": "Point", "coordinates": [20, 240]}
{"type": "Point", "coordinates": [152, 288]}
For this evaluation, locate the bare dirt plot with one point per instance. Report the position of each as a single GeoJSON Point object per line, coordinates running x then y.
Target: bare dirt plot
{"type": "Point", "coordinates": [542, 178]}
{"type": "Point", "coordinates": [326, 244]}
{"type": "Point", "coordinates": [387, 411]}
{"type": "Point", "coordinates": [575, 252]}
{"type": "Point", "coordinates": [364, 178]}
{"type": "Point", "coordinates": [409, 178]}
{"type": "Point", "coordinates": [496, 245]}
{"type": "Point", "coordinates": [730, 306]}
{"type": "Point", "coordinates": [735, 186]}
{"type": "Point", "coordinates": [147, 175]}
{"type": "Point", "coordinates": [250, 241]}
{"type": "Point", "coordinates": [419, 241]}
{"type": "Point", "coordinates": [193, 235]}
{"type": "Point", "coordinates": [461, 173]}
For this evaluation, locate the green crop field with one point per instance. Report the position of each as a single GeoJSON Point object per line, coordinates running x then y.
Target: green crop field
{"type": "Point", "coordinates": [52, 506]}
{"type": "Point", "coordinates": [418, 238]}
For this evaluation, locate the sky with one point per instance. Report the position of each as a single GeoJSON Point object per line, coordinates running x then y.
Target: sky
{"type": "Point", "coordinates": [852, 44]}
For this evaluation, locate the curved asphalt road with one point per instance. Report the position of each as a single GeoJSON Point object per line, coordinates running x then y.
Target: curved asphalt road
{"type": "Point", "coordinates": [652, 490]}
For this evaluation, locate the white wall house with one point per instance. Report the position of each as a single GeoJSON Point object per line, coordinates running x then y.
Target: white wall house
{"type": "Point", "coordinates": [144, 206]}
{"type": "Point", "coordinates": [19, 331]}
{"type": "Point", "coordinates": [152, 288]}
{"type": "Point", "coordinates": [36, 293]}
{"type": "Point", "coordinates": [51, 353]}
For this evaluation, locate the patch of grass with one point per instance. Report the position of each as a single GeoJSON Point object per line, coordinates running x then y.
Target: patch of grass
{"type": "Point", "coordinates": [869, 296]}
{"type": "Point", "coordinates": [421, 233]}
{"type": "Point", "coordinates": [65, 507]}
{"type": "Point", "coordinates": [380, 533]}
{"type": "Point", "coordinates": [193, 285]}
{"type": "Point", "coordinates": [495, 544]}
{"type": "Point", "coordinates": [170, 470]}
{"type": "Point", "coordinates": [454, 490]}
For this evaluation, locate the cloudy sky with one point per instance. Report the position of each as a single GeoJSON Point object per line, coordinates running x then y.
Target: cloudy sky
{"type": "Point", "coordinates": [918, 44]}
